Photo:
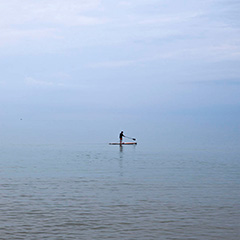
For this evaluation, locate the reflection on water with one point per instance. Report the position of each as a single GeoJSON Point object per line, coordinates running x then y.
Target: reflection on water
{"type": "Point", "coordinates": [120, 148]}
{"type": "Point", "coordinates": [102, 192]}
{"type": "Point", "coordinates": [121, 159]}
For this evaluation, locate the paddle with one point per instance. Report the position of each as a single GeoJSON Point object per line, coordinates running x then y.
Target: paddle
{"type": "Point", "coordinates": [134, 139]}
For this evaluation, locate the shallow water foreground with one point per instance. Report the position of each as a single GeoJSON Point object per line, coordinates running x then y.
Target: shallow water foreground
{"type": "Point", "coordinates": [107, 192]}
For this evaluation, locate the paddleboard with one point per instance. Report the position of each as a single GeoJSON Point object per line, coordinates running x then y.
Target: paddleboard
{"type": "Point", "coordinates": [124, 143]}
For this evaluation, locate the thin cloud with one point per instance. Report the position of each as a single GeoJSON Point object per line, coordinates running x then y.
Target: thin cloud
{"type": "Point", "coordinates": [14, 12]}
{"type": "Point", "coordinates": [221, 82]}
{"type": "Point", "coordinates": [125, 3]}
{"type": "Point", "coordinates": [11, 35]}
{"type": "Point", "coordinates": [114, 64]}
{"type": "Point", "coordinates": [58, 81]}
{"type": "Point", "coordinates": [127, 63]}
{"type": "Point", "coordinates": [36, 82]}
{"type": "Point", "coordinates": [36, 20]}
{"type": "Point", "coordinates": [164, 19]}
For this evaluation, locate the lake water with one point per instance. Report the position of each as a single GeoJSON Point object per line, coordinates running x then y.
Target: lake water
{"type": "Point", "coordinates": [107, 192]}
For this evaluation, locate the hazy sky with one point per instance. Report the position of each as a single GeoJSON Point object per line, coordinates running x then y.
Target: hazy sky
{"type": "Point", "coordinates": [82, 70]}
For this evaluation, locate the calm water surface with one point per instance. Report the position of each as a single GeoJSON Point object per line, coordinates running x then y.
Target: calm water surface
{"type": "Point", "coordinates": [107, 192]}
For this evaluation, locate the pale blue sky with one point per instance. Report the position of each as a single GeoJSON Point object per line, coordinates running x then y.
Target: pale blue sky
{"type": "Point", "coordinates": [82, 70]}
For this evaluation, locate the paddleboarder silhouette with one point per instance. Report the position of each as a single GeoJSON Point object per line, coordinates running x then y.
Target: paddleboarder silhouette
{"type": "Point", "coordinates": [121, 135]}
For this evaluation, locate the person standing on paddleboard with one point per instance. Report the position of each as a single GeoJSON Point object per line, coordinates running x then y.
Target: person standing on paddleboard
{"type": "Point", "coordinates": [121, 135]}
